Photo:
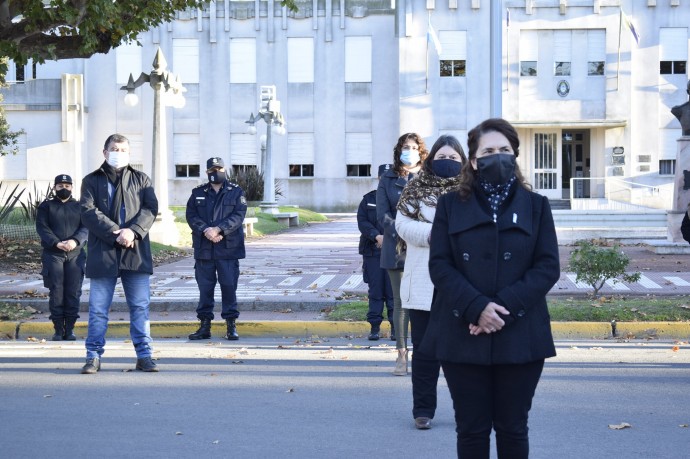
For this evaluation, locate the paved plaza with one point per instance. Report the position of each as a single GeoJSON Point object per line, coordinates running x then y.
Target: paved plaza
{"type": "Point", "coordinates": [310, 268]}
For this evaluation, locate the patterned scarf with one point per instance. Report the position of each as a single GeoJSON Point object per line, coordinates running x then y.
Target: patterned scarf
{"type": "Point", "coordinates": [497, 194]}
{"type": "Point", "coordinates": [424, 188]}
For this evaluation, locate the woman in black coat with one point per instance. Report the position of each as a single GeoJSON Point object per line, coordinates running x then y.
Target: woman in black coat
{"type": "Point", "coordinates": [408, 154]}
{"type": "Point", "coordinates": [493, 259]}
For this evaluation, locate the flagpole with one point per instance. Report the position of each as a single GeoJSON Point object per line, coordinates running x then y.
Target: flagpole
{"type": "Point", "coordinates": [507, 50]}
{"type": "Point", "coordinates": [426, 81]}
{"type": "Point", "coordinates": [620, 32]}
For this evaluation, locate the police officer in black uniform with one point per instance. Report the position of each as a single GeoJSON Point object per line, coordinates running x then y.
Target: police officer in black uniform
{"type": "Point", "coordinates": [370, 241]}
{"type": "Point", "coordinates": [58, 224]}
{"type": "Point", "coordinates": [215, 212]}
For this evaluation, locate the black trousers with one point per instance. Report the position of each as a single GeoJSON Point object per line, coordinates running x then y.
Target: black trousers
{"type": "Point", "coordinates": [425, 368]}
{"type": "Point", "coordinates": [207, 274]}
{"type": "Point", "coordinates": [492, 396]}
{"type": "Point", "coordinates": [380, 290]}
{"type": "Point", "coordinates": [63, 276]}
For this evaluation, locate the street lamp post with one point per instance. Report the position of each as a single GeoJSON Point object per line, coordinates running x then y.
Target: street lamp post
{"type": "Point", "coordinates": [269, 111]}
{"type": "Point", "coordinates": [167, 90]}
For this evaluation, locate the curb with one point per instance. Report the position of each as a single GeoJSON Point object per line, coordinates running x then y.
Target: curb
{"type": "Point", "coordinates": [278, 329]}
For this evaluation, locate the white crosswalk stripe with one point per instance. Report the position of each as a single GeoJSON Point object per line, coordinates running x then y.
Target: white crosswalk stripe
{"type": "Point", "coordinates": [572, 278]}
{"type": "Point", "coordinates": [290, 281]}
{"type": "Point", "coordinates": [677, 281]}
{"type": "Point", "coordinates": [617, 285]}
{"type": "Point", "coordinates": [646, 282]}
{"type": "Point", "coordinates": [322, 281]}
{"type": "Point", "coordinates": [352, 282]}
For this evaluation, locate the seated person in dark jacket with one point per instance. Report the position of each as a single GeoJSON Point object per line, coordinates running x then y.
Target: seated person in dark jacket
{"type": "Point", "coordinates": [215, 213]}
{"type": "Point", "coordinates": [58, 224]}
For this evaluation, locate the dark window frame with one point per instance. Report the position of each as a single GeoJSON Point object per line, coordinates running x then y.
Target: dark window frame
{"type": "Point", "coordinates": [301, 170]}
{"type": "Point", "coordinates": [358, 170]}
{"type": "Point", "coordinates": [188, 171]}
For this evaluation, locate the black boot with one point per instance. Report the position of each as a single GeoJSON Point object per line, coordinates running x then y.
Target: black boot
{"type": "Point", "coordinates": [374, 334]}
{"type": "Point", "coordinates": [232, 330]}
{"type": "Point", "coordinates": [392, 331]}
{"type": "Point", "coordinates": [68, 334]}
{"type": "Point", "coordinates": [204, 331]}
{"type": "Point", "coordinates": [59, 326]}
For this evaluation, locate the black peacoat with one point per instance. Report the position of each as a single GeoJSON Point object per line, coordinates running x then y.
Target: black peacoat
{"type": "Point", "coordinates": [512, 262]}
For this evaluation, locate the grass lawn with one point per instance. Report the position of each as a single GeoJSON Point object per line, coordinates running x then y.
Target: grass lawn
{"type": "Point", "coordinates": [580, 309]}
{"type": "Point", "coordinates": [266, 224]}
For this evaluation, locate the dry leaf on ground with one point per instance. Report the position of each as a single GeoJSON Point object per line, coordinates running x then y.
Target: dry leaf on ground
{"type": "Point", "coordinates": [621, 426]}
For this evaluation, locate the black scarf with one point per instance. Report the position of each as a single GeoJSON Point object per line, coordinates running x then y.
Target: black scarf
{"type": "Point", "coordinates": [114, 177]}
{"type": "Point", "coordinates": [496, 194]}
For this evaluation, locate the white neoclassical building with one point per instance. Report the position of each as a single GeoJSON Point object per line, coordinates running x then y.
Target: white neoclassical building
{"type": "Point", "coordinates": [590, 98]}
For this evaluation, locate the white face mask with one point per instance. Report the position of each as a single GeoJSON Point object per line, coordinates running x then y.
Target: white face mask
{"type": "Point", "coordinates": [118, 159]}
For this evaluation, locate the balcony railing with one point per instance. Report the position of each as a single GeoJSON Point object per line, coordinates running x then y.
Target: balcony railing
{"type": "Point", "coordinates": [613, 193]}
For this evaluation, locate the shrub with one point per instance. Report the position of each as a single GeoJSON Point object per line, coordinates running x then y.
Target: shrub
{"type": "Point", "coordinates": [252, 182]}
{"type": "Point", "coordinates": [594, 265]}
{"type": "Point", "coordinates": [10, 202]}
{"type": "Point", "coordinates": [30, 209]}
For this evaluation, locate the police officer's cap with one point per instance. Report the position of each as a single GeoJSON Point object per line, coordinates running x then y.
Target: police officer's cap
{"type": "Point", "coordinates": [214, 162]}
{"type": "Point", "coordinates": [63, 178]}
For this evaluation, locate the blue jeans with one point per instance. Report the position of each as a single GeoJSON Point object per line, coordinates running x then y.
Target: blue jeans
{"type": "Point", "coordinates": [138, 294]}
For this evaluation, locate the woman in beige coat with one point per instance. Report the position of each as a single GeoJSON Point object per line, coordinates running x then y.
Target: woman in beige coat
{"type": "Point", "coordinates": [416, 210]}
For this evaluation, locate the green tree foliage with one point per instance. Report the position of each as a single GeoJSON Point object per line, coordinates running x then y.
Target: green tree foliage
{"type": "Point", "coordinates": [64, 29]}
{"type": "Point", "coordinates": [594, 265]}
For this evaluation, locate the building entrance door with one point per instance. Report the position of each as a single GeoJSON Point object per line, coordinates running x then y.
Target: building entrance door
{"type": "Point", "coordinates": [575, 163]}
{"type": "Point", "coordinates": [545, 164]}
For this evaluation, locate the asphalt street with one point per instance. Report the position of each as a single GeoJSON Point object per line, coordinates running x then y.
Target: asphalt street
{"type": "Point", "coordinates": [321, 398]}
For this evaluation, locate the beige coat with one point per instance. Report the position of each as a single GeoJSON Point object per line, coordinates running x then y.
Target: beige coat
{"type": "Point", "coordinates": [416, 288]}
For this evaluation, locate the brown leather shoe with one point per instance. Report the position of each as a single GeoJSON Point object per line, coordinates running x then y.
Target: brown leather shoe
{"type": "Point", "coordinates": [422, 423]}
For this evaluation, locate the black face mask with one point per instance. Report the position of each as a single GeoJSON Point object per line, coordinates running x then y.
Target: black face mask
{"type": "Point", "coordinates": [496, 169]}
{"type": "Point", "coordinates": [216, 177]}
{"type": "Point", "coordinates": [63, 193]}
{"type": "Point", "coordinates": [446, 168]}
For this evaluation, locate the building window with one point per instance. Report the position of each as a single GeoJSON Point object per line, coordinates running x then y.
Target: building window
{"type": "Point", "coordinates": [452, 68]}
{"type": "Point", "coordinates": [667, 166]}
{"type": "Point", "coordinates": [595, 68]}
{"type": "Point", "coordinates": [528, 68]}
{"type": "Point", "coordinates": [300, 60]}
{"type": "Point", "coordinates": [562, 52]}
{"type": "Point", "coordinates": [186, 170]}
{"type": "Point", "coordinates": [242, 168]}
{"type": "Point", "coordinates": [672, 67]}
{"type": "Point", "coordinates": [301, 170]}
{"type": "Point", "coordinates": [185, 59]}
{"type": "Point", "coordinates": [596, 52]}
{"type": "Point", "coordinates": [358, 52]}
{"type": "Point", "coordinates": [561, 69]}
{"type": "Point", "coordinates": [19, 73]}
{"type": "Point", "coordinates": [242, 60]}
{"type": "Point", "coordinates": [673, 50]}
{"type": "Point", "coordinates": [453, 57]}
{"type": "Point", "coordinates": [359, 170]}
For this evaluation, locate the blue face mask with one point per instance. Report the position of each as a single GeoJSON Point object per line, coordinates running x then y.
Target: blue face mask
{"type": "Point", "coordinates": [409, 157]}
{"type": "Point", "coordinates": [446, 168]}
